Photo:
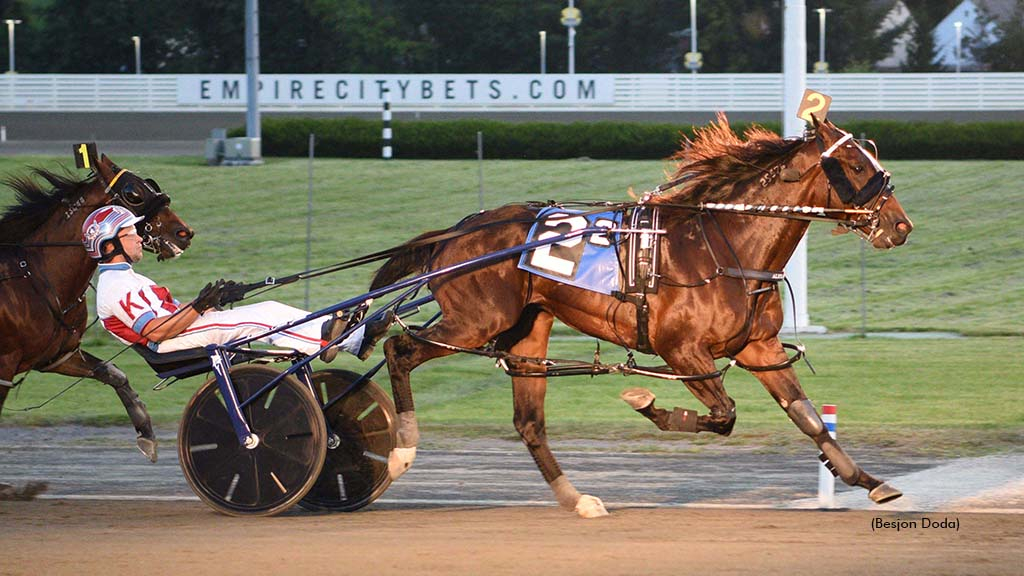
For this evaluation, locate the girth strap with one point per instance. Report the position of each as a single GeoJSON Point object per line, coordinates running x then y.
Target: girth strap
{"type": "Point", "coordinates": [643, 313]}
{"type": "Point", "coordinates": [745, 274]}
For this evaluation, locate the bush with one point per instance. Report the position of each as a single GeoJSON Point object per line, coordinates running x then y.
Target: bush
{"type": "Point", "coordinates": [456, 139]}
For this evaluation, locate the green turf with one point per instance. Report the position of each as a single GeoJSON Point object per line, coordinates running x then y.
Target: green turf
{"type": "Point", "coordinates": [962, 271]}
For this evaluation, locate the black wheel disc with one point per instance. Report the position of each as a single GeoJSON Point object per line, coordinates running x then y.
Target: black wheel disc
{"type": "Point", "coordinates": [265, 480]}
{"type": "Point", "coordinates": [355, 472]}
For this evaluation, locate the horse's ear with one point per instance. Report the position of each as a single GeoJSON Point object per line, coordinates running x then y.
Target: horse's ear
{"type": "Point", "coordinates": [814, 120]}
{"type": "Point", "coordinates": [107, 169]}
{"type": "Point", "coordinates": [113, 167]}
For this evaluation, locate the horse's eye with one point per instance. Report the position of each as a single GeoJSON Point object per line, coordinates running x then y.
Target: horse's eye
{"type": "Point", "coordinates": [858, 168]}
{"type": "Point", "coordinates": [132, 194]}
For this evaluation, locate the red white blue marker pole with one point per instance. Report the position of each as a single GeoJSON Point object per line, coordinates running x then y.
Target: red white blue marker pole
{"type": "Point", "coordinates": [826, 481]}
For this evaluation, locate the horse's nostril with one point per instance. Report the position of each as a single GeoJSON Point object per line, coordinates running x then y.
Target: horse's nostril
{"type": "Point", "coordinates": [903, 228]}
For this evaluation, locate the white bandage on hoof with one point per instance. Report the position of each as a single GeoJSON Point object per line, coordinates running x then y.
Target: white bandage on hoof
{"type": "Point", "coordinates": [147, 447]}
{"type": "Point", "coordinates": [590, 507]}
{"type": "Point", "coordinates": [637, 398]}
{"type": "Point", "coordinates": [400, 460]}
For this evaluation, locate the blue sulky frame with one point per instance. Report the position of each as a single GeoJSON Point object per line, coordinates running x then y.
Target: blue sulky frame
{"type": "Point", "coordinates": [220, 354]}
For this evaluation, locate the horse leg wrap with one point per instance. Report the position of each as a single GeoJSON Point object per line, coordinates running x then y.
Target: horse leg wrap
{"type": "Point", "coordinates": [678, 420]}
{"type": "Point", "coordinates": [838, 462]}
{"type": "Point", "coordinates": [137, 413]}
{"type": "Point", "coordinates": [408, 430]}
{"type": "Point", "coordinates": [565, 492]}
{"type": "Point", "coordinates": [401, 457]}
{"type": "Point", "coordinates": [6, 383]}
{"type": "Point", "coordinates": [682, 420]}
{"type": "Point", "coordinates": [802, 414]}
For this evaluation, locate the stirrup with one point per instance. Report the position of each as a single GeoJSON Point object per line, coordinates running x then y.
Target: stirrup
{"type": "Point", "coordinates": [357, 314]}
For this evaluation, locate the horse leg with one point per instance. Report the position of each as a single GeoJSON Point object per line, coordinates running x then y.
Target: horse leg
{"type": "Point", "coordinates": [528, 401]}
{"type": "Point", "coordinates": [404, 353]}
{"type": "Point", "coordinates": [710, 391]}
{"type": "Point", "coordinates": [784, 386]}
{"type": "Point", "coordinates": [84, 364]}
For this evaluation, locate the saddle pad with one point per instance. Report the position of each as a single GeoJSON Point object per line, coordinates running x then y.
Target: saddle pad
{"type": "Point", "coordinates": [585, 262]}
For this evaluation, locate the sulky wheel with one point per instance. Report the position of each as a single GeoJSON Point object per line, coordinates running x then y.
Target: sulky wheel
{"type": "Point", "coordinates": [363, 422]}
{"type": "Point", "coordinates": [274, 475]}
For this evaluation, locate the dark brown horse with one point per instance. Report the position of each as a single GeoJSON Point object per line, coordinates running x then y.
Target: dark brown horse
{"type": "Point", "coordinates": [716, 298]}
{"type": "Point", "coordinates": [45, 273]}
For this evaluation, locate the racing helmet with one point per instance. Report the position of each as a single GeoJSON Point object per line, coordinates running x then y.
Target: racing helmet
{"type": "Point", "coordinates": [104, 224]}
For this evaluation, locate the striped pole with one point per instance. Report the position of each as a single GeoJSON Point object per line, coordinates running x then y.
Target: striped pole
{"type": "Point", "coordinates": [386, 133]}
{"type": "Point", "coordinates": [826, 481]}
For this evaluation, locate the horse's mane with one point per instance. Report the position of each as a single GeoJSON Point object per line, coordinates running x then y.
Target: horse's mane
{"type": "Point", "coordinates": [720, 162]}
{"type": "Point", "coordinates": [35, 204]}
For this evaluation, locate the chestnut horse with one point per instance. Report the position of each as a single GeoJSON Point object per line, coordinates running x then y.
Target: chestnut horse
{"type": "Point", "coordinates": [717, 297]}
{"type": "Point", "coordinates": [45, 273]}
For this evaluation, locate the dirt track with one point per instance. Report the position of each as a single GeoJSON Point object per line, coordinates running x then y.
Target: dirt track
{"type": "Point", "coordinates": [101, 538]}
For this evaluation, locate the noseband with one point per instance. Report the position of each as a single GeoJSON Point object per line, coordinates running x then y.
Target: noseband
{"type": "Point", "coordinates": [877, 191]}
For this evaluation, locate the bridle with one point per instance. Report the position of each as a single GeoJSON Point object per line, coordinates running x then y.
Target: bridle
{"type": "Point", "coordinates": [864, 219]}
{"type": "Point", "coordinates": [877, 190]}
{"type": "Point", "coordinates": [146, 203]}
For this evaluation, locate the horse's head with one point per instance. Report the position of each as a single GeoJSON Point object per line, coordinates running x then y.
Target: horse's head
{"type": "Point", "coordinates": [162, 231]}
{"type": "Point", "coordinates": [859, 181]}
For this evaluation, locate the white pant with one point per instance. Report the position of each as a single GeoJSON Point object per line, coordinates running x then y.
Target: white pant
{"type": "Point", "coordinates": [220, 327]}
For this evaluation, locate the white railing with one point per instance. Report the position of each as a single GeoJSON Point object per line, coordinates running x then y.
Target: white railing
{"type": "Point", "coordinates": [629, 92]}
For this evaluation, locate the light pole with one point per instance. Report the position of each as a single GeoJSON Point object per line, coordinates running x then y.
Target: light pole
{"type": "Point", "coordinates": [10, 43]}
{"type": "Point", "coordinates": [959, 38]}
{"type": "Point", "coordinates": [571, 18]}
{"type": "Point", "coordinates": [694, 59]}
{"type": "Point", "coordinates": [138, 54]}
{"type": "Point", "coordinates": [543, 52]}
{"type": "Point", "coordinates": [821, 65]}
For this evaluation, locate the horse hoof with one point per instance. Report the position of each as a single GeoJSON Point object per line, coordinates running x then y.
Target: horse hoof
{"type": "Point", "coordinates": [884, 493]}
{"type": "Point", "coordinates": [147, 447]}
{"type": "Point", "coordinates": [637, 398]}
{"type": "Point", "coordinates": [400, 460]}
{"type": "Point", "coordinates": [590, 507]}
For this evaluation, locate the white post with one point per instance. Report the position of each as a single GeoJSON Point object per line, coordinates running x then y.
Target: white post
{"type": "Point", "coordinates": [794, 70]}
{"type": "Point", "coordinates": [572, 41]}
{"type": "Point", "coordinates": [959, 39]}
{"type": "Point", "coordinates": [826, 481]}
{"type": "Point", "coordinates": [572, 49]}
{"type": "Point", "coordinates": [693, 30]}
{"type": "Point", "coordinates": [821, 66]}
{"type": "Point", "coordinates": [138, 54]}
{"type": "Point", "coordinates": [252, 68]}
{"type": "Point", "coordinates": [10, 44]}
{"type": "Point", "coordinates": [543, 52]}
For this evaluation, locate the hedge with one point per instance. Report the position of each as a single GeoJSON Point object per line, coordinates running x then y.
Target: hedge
{"type": "Point", "coordinates": [456, 139]}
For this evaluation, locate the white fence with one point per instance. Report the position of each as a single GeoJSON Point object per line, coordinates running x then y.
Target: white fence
{"type": "Point", "coordinates": [606, 92]}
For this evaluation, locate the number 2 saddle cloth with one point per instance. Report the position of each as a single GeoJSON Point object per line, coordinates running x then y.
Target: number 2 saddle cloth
{"type": "Point", "coordinates": [594, 262]}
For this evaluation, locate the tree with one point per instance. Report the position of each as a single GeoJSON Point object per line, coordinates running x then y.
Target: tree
{"type": "Point", "coordinates": [424, 36]}
{"type": "Point", "coordinates": [1007, 53]}
{"type": "Point", "coordinates": [921, 51]}
{"type": "Point", "coordinates": [93, 36]}
{"type": "Point", "coordinates": [853, 42]}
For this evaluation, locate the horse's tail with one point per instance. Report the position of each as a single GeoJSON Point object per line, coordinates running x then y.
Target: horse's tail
{"type": "Point", "coordinates": [410, 258]}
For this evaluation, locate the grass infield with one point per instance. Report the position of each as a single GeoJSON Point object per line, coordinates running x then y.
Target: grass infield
{"type": "Point", "coordinates": [963, 272]}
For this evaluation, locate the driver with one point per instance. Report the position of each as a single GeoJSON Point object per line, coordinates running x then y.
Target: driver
{"type": "Point", "coordinates": [137, 311]}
